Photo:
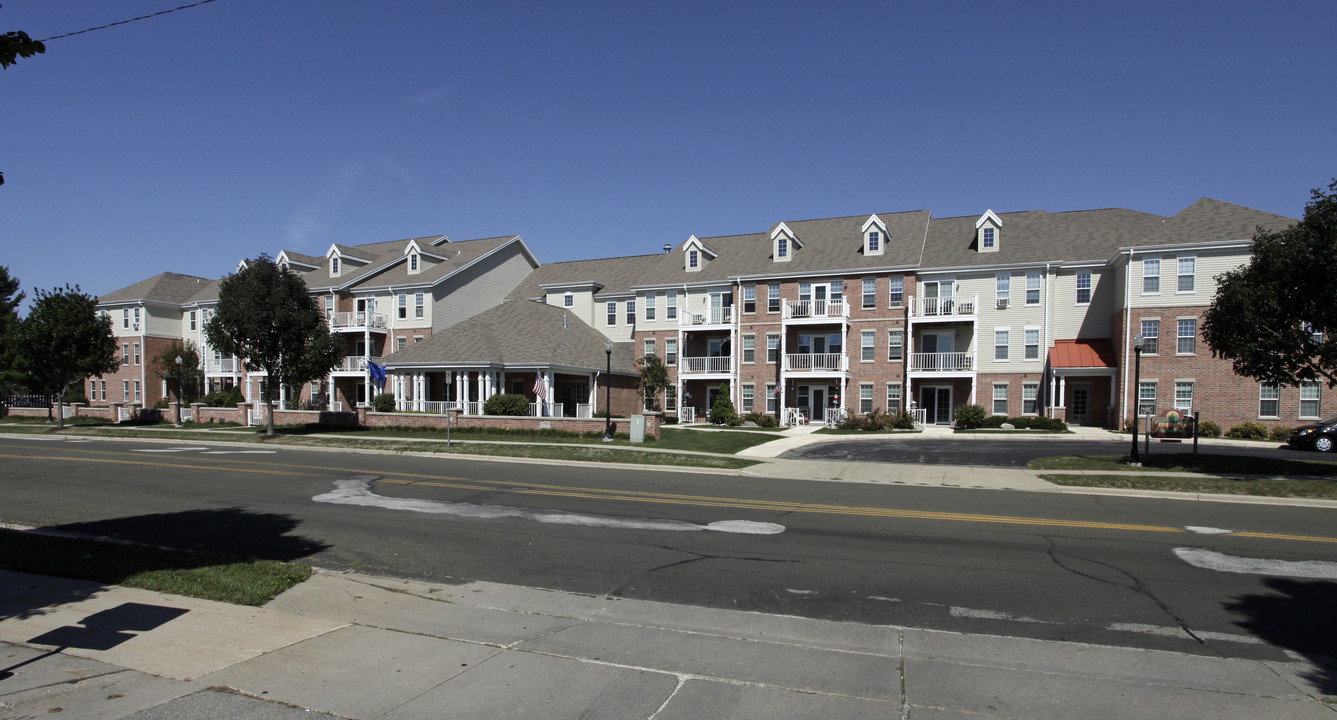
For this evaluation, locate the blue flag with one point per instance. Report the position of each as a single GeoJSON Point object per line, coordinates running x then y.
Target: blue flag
{"type": "Point", "coordinates": [377, 372]}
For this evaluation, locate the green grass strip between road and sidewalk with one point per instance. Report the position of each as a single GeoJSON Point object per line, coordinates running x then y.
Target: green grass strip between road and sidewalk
{"type": "Point", "coordinates": [1261, 487]}
{"type": "Point", "coordinates": [1188, 462]}
{"type": "Point", "coordinates": [178, 572]}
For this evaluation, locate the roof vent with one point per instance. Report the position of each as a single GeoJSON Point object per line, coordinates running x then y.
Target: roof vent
{"type": "Point", "coordinates": [668, 247]}
{"type": "Point", "coordinates": [563, 321]}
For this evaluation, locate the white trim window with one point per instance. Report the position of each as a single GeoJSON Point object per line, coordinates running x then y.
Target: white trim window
{"type": "Point", "coordinates": [1309, 400]}
{"type": "Point", "coordinates": [1032, 287]}
{"type": "Point", "coordinates": [1002, 288]}
{"type": "Point", "coordinates": [865, 398]}
{"type": "Point", "coordinates": [136, 348]}
{"type": "Point", "coordinates": [1030, 396]}
{"type": "Point", "coordinates": [631, 312]}
{"type": "Point", "coordinates": [192, 319]}
{"type": "Point", "coordinates": [893, 397]}
{"type": "Point", "coordinates": [1084, 287]}
{"type": "Point", "coordinates": [749, 299]}
{"type": "Point", "coordinates": [1185, 339]}
{"type": "Point", "coordinates": [568, 300]}
{"type": "Point", "coordinates": [403, 306]}
{"type": "Point", "coordinates": [1151, 337]}
{"type": "Point", "coordinates": [125, 318]}
{"type": "Point", "coordinates": [1146, 398]}
{"type": "Point", "coordinates": [1269, 400]}
{"type": "Point", "coordinates": [611, 312]}
{"type": "Point", "coordinates": [896, 345]}
{"type": "Point", "coordinates": [401, 343]}
{"type": "Point", "coordinates": [748, 396]}
{"type": "Point", "coordinates": [648, 347]}
{"type": "Point", "coordinates": [1000, 398]}
{"type": "Point", "coordinates": [1187, 270]}
{"type": "Point", "coordinates": [874, 242]}
{"type": "Point", "coordinates": [782, 247]}
{"type": "Point", "coordinates": [866, 348]}
{"type": "Point", "coordinates": [125, 353]}
{"type": "Point", "coordinates": [988, 240]}
{"type": "Point", "coordinates": [749, 348]}
{"type": "Point", "coordinates": [772, 401]}
{"type": "Point", "coordinates": [693, 259]}
{"type": "Point", "coordinates": [125, 390]}
{"type": "Point", "coordinates": [1151, 276]}
{"type": "Point", "coordinates": [419, 306]}
{"type": "Point", "coordinates": [1000, 343]}
{"type": "Point", "coordinates": [671, 398]}
{"type": "Point", "coordinates": [772, 348]}
{"type": "Point", "coordinates": [1184, 396]}
{"type": "Point", "coordinates": [773, 298]}
{"type": "Point", "coordinates": [650, 306]}
{"type": "Point", "coordinates": [670, 351]}
{"type": "Point", "coordinates": [671, 305]}
{"type": "Point", "coordinates": [896, 293]}
{"type": "Point", "coordinates": [413, 262]}
{"type": "Point", "coordinates": [1031, 338]}
{"type": "Point", "coordinates": [869, 292]}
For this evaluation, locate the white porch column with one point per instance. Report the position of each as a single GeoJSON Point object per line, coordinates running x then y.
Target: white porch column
{"type": "Point", "coordinates": [333, 396]}
{"type": "Point", "coordinates": [1049, 401]}
{"type": "Point", "coordinates": [1062, 391]}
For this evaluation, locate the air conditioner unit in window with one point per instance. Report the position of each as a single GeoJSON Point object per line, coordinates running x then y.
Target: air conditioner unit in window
{"type": "Point", "coordinates": [1002, 303]}
{"type": "Point", "coordinates": [136, 327]}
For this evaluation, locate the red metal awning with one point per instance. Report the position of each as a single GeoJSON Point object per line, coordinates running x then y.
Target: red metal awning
{"type": "Point", "coordinates": [1082, 354]}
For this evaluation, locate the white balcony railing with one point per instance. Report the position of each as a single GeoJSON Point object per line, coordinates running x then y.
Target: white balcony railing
{"type": "Point", "coordinates": [942, 362]}
{"type": "Point", "coordinates": [548, 409]}
{"type": "Point", "coordinates": [816, 362]}
{"type": "Point", "coordinates": [355, 363]}
{"type": "Point", "coordinates": [814, 309]}
{"type": "Point", "coordinates": [965, 305]}
{"type": "Point", "coordinates": [705, 365]}
{"type": "Point", "coordinates": [584, 410]}
{"type": "Point", "coordinates": [713, 316]}
{"type": "Point", "coordinates": [357, 320]}
{"type": "Point", "coordinates": [222, 365]}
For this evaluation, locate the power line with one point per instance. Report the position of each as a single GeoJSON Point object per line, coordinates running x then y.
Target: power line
{"type": "Point", "coordinates": [124, 22]}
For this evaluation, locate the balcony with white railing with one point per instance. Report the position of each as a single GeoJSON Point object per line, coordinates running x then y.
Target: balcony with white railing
{"type": "Point", "coordinates": [713, 317]}
{"type": "Point", "coordinates": [814, 311]}
{"type": "Point", "coordinates": [355, 364]}
{"type": "Point", "coordinates": [946, 362]}
{"type": "Point", "coordinates": [357, 321]}
{"type": "Point", "coordinates": [222, 365]}
{"type": "Point", "coordinates": [965, 307]}
{"type": "Point", "coordinates": [705, 365]}
{"type": "Point", "coordinates": [817, 362]}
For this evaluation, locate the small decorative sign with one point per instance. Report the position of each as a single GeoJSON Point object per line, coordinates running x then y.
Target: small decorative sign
{"type": "Point", "coordinates": [1173, 424]}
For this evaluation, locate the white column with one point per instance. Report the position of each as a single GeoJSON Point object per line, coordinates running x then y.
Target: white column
{"type": "Point", "coordinates": [1062, 391]}
{"type": "Point", "coordinates": [333, 396]}
{"type": "Point", "coordinates": [1049, 401]}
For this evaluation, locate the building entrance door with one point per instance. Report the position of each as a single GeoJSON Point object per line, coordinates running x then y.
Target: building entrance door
{"type": "Point", "coordinates": [937, 405]}
{"type": "Point", "coordinates": [1080, 412]}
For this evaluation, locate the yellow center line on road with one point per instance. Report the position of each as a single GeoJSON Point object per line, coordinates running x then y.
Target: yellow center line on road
{"type": "Point", "coordinates": [640, 496]}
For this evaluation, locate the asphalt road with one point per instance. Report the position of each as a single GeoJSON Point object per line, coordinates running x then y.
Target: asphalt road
{"type": "Point", "coordinates": [1096, 569]}
{"type": "Point", "coordinates": [1012, 452]}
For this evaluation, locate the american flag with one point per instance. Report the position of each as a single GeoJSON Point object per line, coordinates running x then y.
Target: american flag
{"type": "Point", "coordinates": [540, 391]}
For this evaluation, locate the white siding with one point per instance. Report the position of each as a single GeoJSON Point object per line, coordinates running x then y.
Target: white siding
{"type": "Point", "coordinates": [482, 286]}
{"type": "Point", "coordinates": [1073, 321]}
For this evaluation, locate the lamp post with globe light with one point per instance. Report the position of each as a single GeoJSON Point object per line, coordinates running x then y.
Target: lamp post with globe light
{"type": "Point", "coordinates": [179, 386]}
{"type": "Point", "coordinates": [1138, 343]}
{"type": "Point", "coordinates": [608, 377]}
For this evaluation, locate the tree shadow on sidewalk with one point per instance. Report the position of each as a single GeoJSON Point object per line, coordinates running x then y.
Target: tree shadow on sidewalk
{"type": "Point", "coordinates": [74, 562]}
{"type": "Point", "coordinates": [1297, 615]}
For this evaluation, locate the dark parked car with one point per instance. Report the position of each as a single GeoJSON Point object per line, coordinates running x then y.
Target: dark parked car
{"type": "Point", "coordinates": [1320, 435]}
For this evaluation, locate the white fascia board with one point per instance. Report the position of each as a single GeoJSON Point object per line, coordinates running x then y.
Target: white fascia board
{"type": "Point", "coordinates": [816, 274]}
{"type": "Point", "coordinates": [623, 295]}
{"type": "Point", "coordinates": [284, 259]}
{"type": "Point", "coordinates": [781, 227]}
{"type": "Point", "coordinates": [695, 242]}
{"type": "Point", "coordinates": [439, 240]}
{"type": "Point", "coordinates": [987, 216]}
{"type": "Point", "coordinates": [1178, 247]}
{"type": "Point", "coordinates": [871, 221]}
{"type": "Point", "coordinates": [581, 285]}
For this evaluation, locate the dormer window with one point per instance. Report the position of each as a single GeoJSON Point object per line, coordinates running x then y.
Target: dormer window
{"type": "Point", "coordinates": [693, 260]}
{"type": "Point", "coordinates": [784, 243]}
{"type": "Point", "coordinates": [874, 235]}
{"type": "Point", "coordinates": [782, 248]}
{"type": "Point", "coordinates": [697, 255]}
{"type": "Point", "coordinates": [413, 262]}
{"type": "Point", "coordinates": [874, 242]}
{"type": "Point", "coordinates": [334, 266]}
{"type": "Point", "coordinates": [988, 231]}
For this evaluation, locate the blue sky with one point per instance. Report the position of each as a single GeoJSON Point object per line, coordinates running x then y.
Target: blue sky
{"type": "Point", "coordinates": [189, 141]}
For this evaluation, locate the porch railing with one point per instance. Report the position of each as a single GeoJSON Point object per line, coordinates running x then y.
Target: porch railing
{"type": "Point", "coordinates": [584, 410]}
{"type": "Point", "coordinates": [944, 306]}
{"type": "Point", "coordinates": [687, 414]}
{"type": "Point", "coordinates": [357, 320]}
{"type": "Point", "coordinates": [549, 409]}
{"type": "Point", "coordinates": [704, 365]}
{"type": "Point", "coordinates": [813, 309]}
{"type": "Point", "coordinates": [356, 363]}
{"type": "Point", "coordinates": [792, 416]}
{"type": "Point", "coordinates": [942, 362]}
{"type": "Point", "coordinates": [713, 316]}
{"type": "Point", "coordinates": [223, 365]}
{"type": "Point", "coordinates": [816, 362]}
{"type": "Point", "coordinates": [834, 416]}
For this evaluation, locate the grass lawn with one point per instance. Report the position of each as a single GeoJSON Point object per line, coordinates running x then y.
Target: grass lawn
{"type": "Point", "coordinates": [212, 577]}
{"type": "Point", "coordinates": [1266, 487]}
{"type": "Point", "coordinates": [1188, 462]}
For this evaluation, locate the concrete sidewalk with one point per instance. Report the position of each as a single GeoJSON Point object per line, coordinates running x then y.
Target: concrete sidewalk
{"type": "Point", "coordinates": [366, 647]}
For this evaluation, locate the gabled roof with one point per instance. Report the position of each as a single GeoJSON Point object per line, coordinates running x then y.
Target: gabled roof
{"type": "Point", "coordinates": [518, 333]}
{"type": "Point", "coordinates": [1037, 236]}
{"type": "Point", "coordinates": [387, 262]}
{"type": "Point", "coordinates": [1209, 220]}
{"type": "Point", "coordinates": [168, 287]}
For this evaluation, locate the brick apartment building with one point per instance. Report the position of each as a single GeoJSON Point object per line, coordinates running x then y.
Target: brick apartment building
{"type": "Point", "coordinates": [1027, 313]}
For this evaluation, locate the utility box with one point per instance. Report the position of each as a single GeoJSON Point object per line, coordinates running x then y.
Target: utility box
{"type": "Point", "coordinates": [638, 428]}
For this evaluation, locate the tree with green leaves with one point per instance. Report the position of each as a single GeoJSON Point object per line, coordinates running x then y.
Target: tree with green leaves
{"type": "Point", "coordinates": [266, 317]}
{"type": "Point", "coordinates": [15, 45]}
{"type": "Point", "coordinates": [1275, 318]}
{"type": "Point", "coordinates": [63, 340]}
{"type": "Point", "coordinates": [654, 378]}
{"type": "Point", "coordinates": [184, 379]}
{"type": "Point", "coordinates": [10, 297]}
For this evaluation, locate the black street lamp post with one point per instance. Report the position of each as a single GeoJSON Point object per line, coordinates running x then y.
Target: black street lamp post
{"type": "Point", "coordinates": [178, 391]}
{"type": "Point", "coordinates": [608, 377]}
{"type": "Point", "coordinates": [1134, 458]}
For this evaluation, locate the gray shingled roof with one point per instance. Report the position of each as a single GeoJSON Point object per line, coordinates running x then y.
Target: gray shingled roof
{"type": "Point", "coordinates": [1209, 220]}
{"type": "Point", "coordinates": [391, 254]}
{"type": "Point", "coordinates": [518, 332]}
{"type": "Point", "coordinates": [168, 287]}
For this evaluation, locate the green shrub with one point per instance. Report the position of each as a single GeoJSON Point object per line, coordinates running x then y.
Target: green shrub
{"type": "Point", "coordinates": [899, 420]}
{"type": "Point", "coordinates": [722, 412]}
{"type": "Point", "coordinates": [75, 395]}
{"type": "Point", "coordinates": [161, 404]}
{"type": "Point", "coordinates": [1207, 428]}
{"type": "Point", "coordinates": [506, 404]}
{"type": "Point", "coordinates": [970, 416]}
{"type": "Point", "coordinates": [1279, 433]}
{"type": "Point", "coordinates": [385, 402]}
{"type": "Point", "coordinates": [994, 421]}
{"type": "Point", "coordinates": [1248, 431]}
{"type": "Point", "coordinates": [223, 398]}
{"type": "Point", "coordinates": [761, 419]}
